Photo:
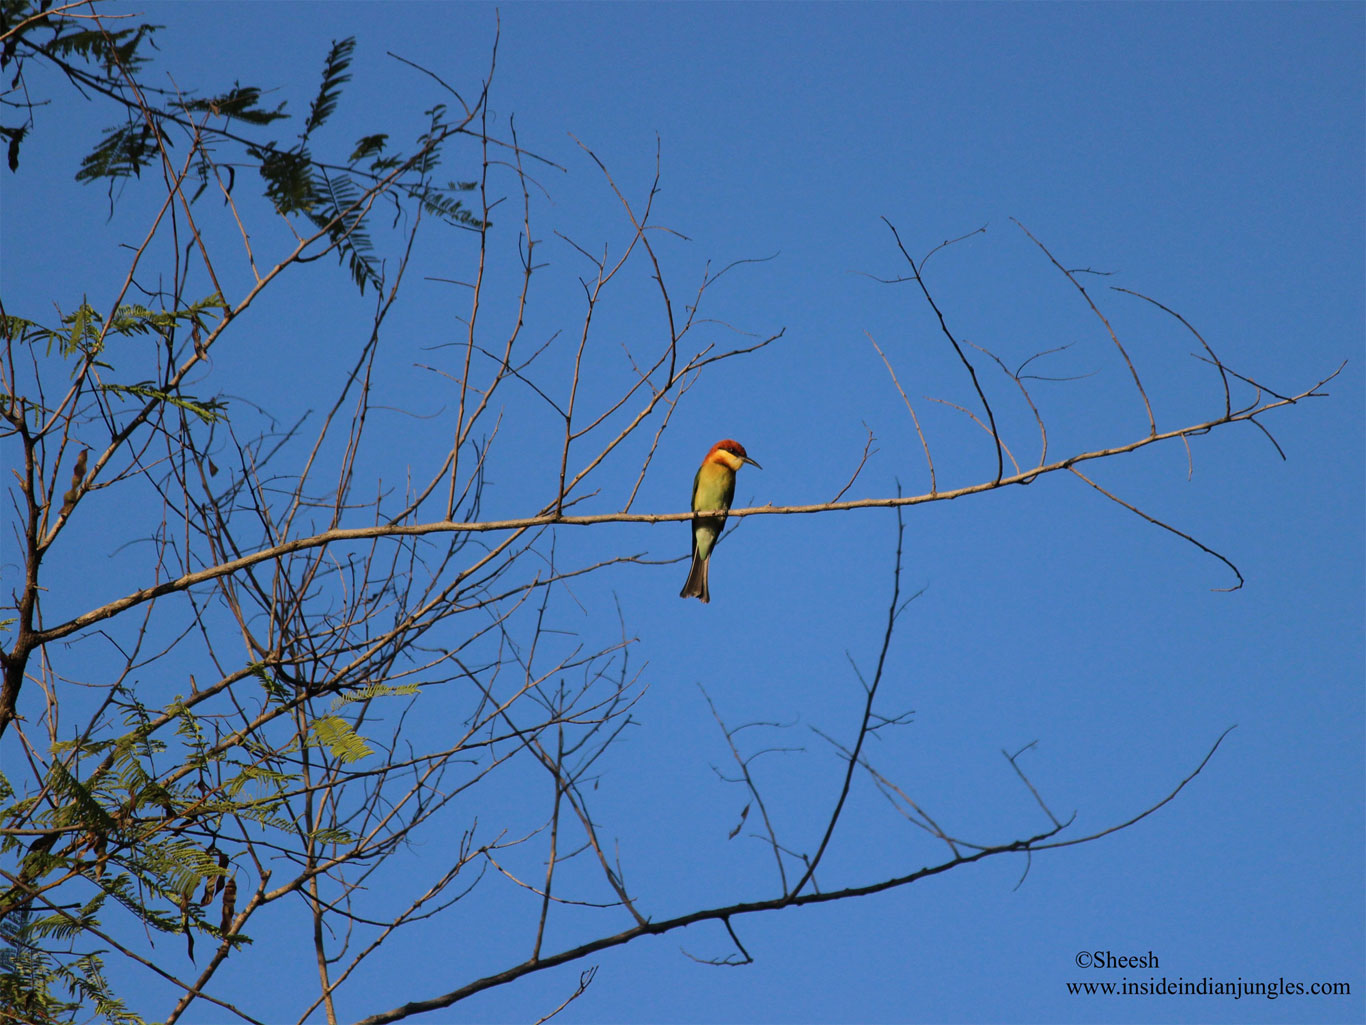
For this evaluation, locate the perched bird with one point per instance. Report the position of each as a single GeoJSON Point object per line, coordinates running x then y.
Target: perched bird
{"type": "Point", "coordinates": [712, 489]}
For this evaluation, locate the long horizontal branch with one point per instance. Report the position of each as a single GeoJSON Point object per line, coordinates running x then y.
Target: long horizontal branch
{"type": "Point", "coordinates": [724, 914]}
{"type": "Point", "coordinates": [651, 928]}
{"type": "Point", "coordinates": [342, 534]}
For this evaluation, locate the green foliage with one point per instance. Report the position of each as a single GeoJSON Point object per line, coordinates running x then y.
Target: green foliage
{"type": "Point", "coordinates": [375, 690]}
{"type": "Point", "coordinates": [37, 961]}
{"type": "Point", "coordinates": [276, 692]}
{"type": "Point", "coordinates": [443, 204]}
{"type": "Point", "coordinates": [85, 334]}
{"type": "Point", "coordinates": [335, 198]}
{"type": "Point", "coordinates": [208, 410]}
{"type": "Point", "coordinates": [120, 827]}
{"type": "Point", "coordinates": [441, 201]}
{"type": "Point", "coordinates": [124, 150]}
{"type": "Point", "coordinates": [336, 734]}
{"type": "Point", "coordinates": [333, 836]}
{"type": "Point", "coordinates": [288, 178]}
{"type": "Point", "coordinates": [111, 48]}
{"type": "Point", "coordinates": [28, 974]}
{"type": "Point", "coordinates": [342, 215]}
{"type": "Point", "coordinates": [239, 102]}
{"type": "Point", "coordinates": [179, 866]}
{"type": "Point", "coordinates": [370, 146]}
{"type": "Point", "coordinates": [334, 75]}
{"type": "Point", "coordinates": [135, 319]}
{"type": "Point", "coordinates": [267, 787]}
{"type": "Point", "coordinates": [331, 200]}
{"type": "Point", "coordinates": [144, 840]}
{"type": "Point", "coordinates": [83, 331]}
{"type": "Point", "coordinates": [81, 808]}
{"type": "Point", "coordinates": [85, 55]}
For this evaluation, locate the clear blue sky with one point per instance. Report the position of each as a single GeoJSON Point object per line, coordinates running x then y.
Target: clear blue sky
{"type": "Point", "coordinates": [1209, 155]}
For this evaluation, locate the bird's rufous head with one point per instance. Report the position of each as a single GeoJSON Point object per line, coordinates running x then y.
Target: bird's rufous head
{"type": "Point", "coordinates": [730, 453]}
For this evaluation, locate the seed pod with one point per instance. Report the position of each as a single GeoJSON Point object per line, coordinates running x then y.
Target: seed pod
{"type": "Point", "coordinates": [229, 904]}
{"type": "Point", "coordinates": [77, 476]}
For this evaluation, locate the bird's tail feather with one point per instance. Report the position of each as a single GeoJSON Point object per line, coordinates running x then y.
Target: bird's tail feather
{"type": "Point", "coordinates": [696, 587]}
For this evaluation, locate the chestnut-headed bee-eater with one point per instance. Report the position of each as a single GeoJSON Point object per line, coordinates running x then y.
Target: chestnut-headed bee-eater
{"type": "Point", "coordinates": [712, 489]}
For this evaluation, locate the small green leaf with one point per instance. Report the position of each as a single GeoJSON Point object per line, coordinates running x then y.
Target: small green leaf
{"type": "Point", "coordinates": [336, 734]}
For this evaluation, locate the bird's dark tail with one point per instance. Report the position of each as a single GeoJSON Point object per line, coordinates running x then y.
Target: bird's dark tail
{"type": "Point", "coordinates": [696, 587]}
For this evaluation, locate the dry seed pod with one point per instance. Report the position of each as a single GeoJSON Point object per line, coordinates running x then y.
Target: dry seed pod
{"type": "Point", "coordinates": [77, 476]}
{"type": "Point", "coordinates": [229, 904]}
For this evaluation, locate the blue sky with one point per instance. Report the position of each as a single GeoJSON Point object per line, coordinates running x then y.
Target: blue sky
{"type": "Point", "coordinates": [1211, 156]}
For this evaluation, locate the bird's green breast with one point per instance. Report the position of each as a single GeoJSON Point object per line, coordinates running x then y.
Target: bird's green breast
{"type": "Point", "coordinates": [713, 487]}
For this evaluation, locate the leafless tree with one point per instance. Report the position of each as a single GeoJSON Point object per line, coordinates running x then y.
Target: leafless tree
{"type": "Point", "coordinates": [249, 722]}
